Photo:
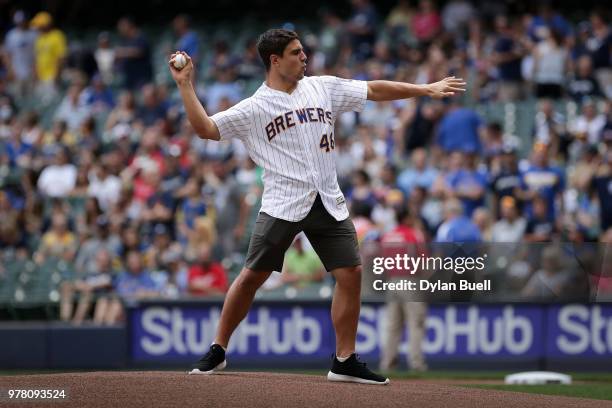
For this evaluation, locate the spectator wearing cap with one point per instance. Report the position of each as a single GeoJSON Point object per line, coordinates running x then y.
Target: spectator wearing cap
{"type": "Point", "coordinates": [542, 180]}
{"type": "Point", "coordinates": [540, 227]}
{"type": "Point", "coordinates": [19, 47]}
{"type": "Point", "coordinates": [50, 50]}
{"type": "Point", "coordinates": [206, 277]}
{"type": "Point", "coordinates": [159, 249]}
{"type": "Point", "coordinates": [511, 226]}
{"type": "Point", "coordinates": [506, 179]}
{"type": "Point", "coordinates": [174, 176]}
{"type": "Point", "coordinates": [133, 55]}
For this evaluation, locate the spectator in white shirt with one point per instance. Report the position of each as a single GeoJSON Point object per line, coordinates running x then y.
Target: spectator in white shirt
{"type": "Point", "coordinates": [59, 179]}
{"type": "Point", "coordinates": [511, 227]}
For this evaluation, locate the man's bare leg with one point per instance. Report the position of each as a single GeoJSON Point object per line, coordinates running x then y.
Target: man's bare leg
{"type": "Point", "coordinates": [345, 308]}
{"type": "Point", "coordinates": [238, 302]}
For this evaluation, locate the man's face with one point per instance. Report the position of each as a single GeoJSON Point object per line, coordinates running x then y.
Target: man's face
{"type": "Point", "coordinates": [292, 65]}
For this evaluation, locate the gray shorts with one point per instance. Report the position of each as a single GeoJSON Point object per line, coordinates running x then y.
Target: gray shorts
{"type": "Point", "coordinates": [334, 241]}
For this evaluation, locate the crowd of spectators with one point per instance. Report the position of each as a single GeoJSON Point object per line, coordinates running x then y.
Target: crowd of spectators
{"type": "Point", "coordinates": [118, 184]}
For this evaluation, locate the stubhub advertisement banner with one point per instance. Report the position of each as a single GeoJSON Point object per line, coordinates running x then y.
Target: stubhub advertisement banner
{"type": "Point", "coordinates": [579, 331]}
{"type": "Point", "coordinates": [287, 333]}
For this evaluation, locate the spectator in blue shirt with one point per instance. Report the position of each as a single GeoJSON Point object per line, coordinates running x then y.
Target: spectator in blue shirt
{"type": "Point", "coordinates": [135, 282]}
{"type": "Point", "coordinates": [132, 284]}
{"type": "Point", "coordinates": [507, 56]}
{"type": "Point", "coordinates": [465, 183]}
{"type": "Point", "coordinates": [18, 151]}
{"type": "Point", "coordinates": [547, 18]}
{"type": "Point", "coordinates": [540, 179]}
{"type": "Point", "coordinates": [187, 38]}
{"type": "Point", "coordinates": [456, 226]}
{"type": "Point", "coordinates": [460, 130]}
{"type": "Point", "coordinates": [418, 174]}
{"type": "Point", "coordinates": [98, 96]}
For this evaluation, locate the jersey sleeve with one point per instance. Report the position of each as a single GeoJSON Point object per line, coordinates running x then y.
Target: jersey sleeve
{"type": "Point", "coordinates": [235, 121]}
{"type": "Point", "coordinates": [346, 94]}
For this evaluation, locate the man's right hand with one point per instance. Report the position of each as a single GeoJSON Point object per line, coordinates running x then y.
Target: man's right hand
{"type": "Point", "coordinates": [183, 75]}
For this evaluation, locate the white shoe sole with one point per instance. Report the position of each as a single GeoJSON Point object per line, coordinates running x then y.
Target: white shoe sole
{"type": "Point", "coordinates": [220, 367]}
{"type": "Point", "coordinates": [347, 378]}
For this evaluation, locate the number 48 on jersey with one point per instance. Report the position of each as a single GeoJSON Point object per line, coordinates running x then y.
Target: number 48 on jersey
{"type": "Point", "coordinates": [327, 143]}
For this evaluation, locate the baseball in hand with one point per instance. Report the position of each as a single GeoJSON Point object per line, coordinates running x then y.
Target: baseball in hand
{"type": "Point", "coordinates": [179, 61]}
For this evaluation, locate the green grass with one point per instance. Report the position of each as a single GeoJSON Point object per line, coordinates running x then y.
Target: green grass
{"type": "Point", "coordinates": [463, 375]}
{"type": "Point", "coordinates": [600, 391]}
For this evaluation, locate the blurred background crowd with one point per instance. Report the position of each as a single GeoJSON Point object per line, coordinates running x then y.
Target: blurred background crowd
{"type": "Point", "coordinates": [107, 195]}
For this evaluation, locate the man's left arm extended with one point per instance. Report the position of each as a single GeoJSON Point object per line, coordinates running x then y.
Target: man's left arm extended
{"type": "Point", "coordinates": [391, 90]}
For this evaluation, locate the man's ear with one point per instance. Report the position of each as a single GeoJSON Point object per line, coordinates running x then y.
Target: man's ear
{"type": "Point", "coordinates": [274, 59]}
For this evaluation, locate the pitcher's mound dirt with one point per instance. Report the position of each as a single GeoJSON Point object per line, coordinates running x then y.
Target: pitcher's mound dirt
{"type": "Point", "coordinates": [253, 390]}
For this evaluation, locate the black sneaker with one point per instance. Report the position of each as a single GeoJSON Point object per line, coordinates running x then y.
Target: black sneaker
{"type": "Point", "coordinates": [212, 361]}
{"type": "Point", "coordinates": [353, 370]}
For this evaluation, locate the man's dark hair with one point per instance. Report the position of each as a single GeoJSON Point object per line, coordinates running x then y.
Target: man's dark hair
{"type": "Point", "coordinates": [274, 41]}
{"type": "Point", "coordinates": [401, 214]}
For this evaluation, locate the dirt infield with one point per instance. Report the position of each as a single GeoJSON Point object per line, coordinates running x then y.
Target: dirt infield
{"type": "Point", "coordinates": [254, 390]}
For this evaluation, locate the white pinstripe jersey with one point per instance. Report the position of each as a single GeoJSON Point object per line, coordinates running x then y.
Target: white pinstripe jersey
{"type": "Point", "coordinates": [291, 136]}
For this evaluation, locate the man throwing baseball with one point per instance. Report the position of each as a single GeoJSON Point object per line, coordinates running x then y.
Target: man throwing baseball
{"type": "Point", "coordinates": [287, 127]}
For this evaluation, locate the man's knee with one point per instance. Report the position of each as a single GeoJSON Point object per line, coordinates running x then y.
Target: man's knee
{"type": "Point", "coordinates": [349, 276]}
{"type": "Point", "coordinates": [250, 279]}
